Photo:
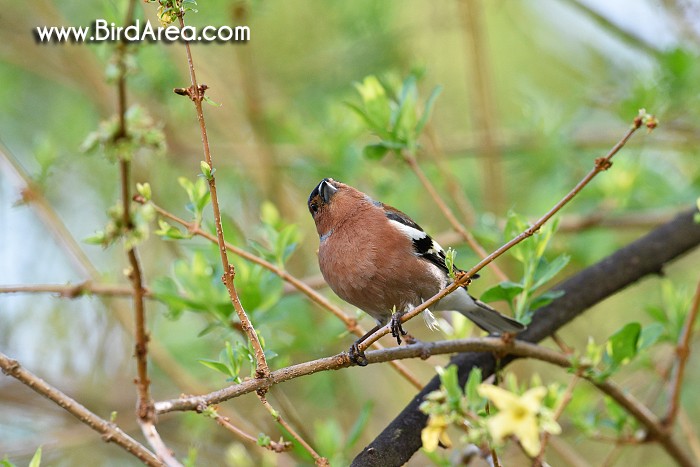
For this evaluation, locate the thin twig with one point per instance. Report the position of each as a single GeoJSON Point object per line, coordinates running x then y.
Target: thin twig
{"type": "Point", "coordinates": [148, 428]}
{"type": "Point", "coordinates": [74, 291]}
{"type": "Point", "coordinates": [463, 204]}
{"type": "Point", "coordinates": [110, 432]}
{"type": "Point", "coordinates": [689, 433]}
{"type": "Point", "coordinates": [636, 41]}
{"type": "Point", "coordinates": [82, 263]}
{"type": "Point", "coordinates": [196, 94]}
{"type": "Point", "coordinates": [320, 461]}
{"type": "Point", "coordinates": [410, 159]}
{"type": "Point", "coordinates": [350, 323]}
{"type": "Point", "coordinates": [566, 398]}
{"type": "Point", "coordinates": [682, 352]}
{"type": "Point", "coordinates": [274, 446]}
{"type": "Point", "coordinates": [32, 196]}
{"type": "Point", "coordinates": [145, 411]}
{"type": "Point", "coordinates": [574, 223]}
{"type": "Point", "coordinates": [561, 344]}
{"type": "Point", "coordinates": [601, 164]}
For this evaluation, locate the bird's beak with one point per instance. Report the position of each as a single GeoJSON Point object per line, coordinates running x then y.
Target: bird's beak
{"type": "Point", "coordinates": [326, 190]}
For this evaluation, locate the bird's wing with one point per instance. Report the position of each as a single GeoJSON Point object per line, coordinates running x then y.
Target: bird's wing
{"type": "Point", "coordinates": [424, 246]}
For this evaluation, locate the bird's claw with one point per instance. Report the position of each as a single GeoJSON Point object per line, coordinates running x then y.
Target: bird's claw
{"type": "Point", "coordinates": [396, 328]}
{"type": "Point", "coordinates": [356, 355]}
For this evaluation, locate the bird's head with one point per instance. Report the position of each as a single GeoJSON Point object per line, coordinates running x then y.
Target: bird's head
{"type": "Point", "coordinates": [332, 202]}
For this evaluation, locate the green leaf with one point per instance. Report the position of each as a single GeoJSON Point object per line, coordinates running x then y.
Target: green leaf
{"type": "Point", "coordinates": [545, 235]}
{"type": "Point", "coordinates": [191, 460]}
{"type": "Point", "coordinates": [403, 121]}
{"type": "Point", "coordinates": [546, 271]}
{"type": "Point", "coordinates": [360, 424]}
{"type": "Point", "coordinates": [375, 151]}
{"type": "Point", "coordinates": [545, 299]}
{"type": "Point", "coordinates": [36, 458]}
{"type": "Point", "coordinates": [98, 238]}
{"type": "Point", "coordinates": [449, 380]}
{"type": "Point", "coordinates": [515, 225]}
{"type": "Point", "coordinates": [270, 215]}
{"type": "Point", "coordinates": [264, 440]}
{"type": "Point", "coordinates": [209, 101]}
{"type": "Point", "coordinates": [650, 335]}
{"type": "Point", "coordinates": [376, 110]}
{"type": "Point", "coordinates": [475, 401]}
{"type": "Point", "coordinates": [622, 346]}
{"type": "Point", "coordinates": [656, 313]}
{"type": "Point", "coordinates": [368, 120]}
{"type": "Point", "coordinates": [504, 291]}
{"type": "Point", "coordinates": [216, 365]}
{"type": "Point", "coordinates": [168, 231]}
{"type": "Point", "coordinates": [450, 256]}
{"type": "Point", "coordinates": [428, 109]}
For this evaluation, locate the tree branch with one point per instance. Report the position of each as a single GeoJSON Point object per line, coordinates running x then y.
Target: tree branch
{"type": "Point", "coordinates": [109, 431]}
{"type": "Point", "coordinates": [74, 291]}
{"type": "Point", "coordinates": [196, 94]}
{"type": "Point", "coordinates": [644, 257]}
{"type": "Point", "coordinates": [682, 352]}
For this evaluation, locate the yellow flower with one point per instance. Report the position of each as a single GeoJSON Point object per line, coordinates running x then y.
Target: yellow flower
{"type": "Point", "coordinates": [518, 415]}
{"type": "Point", "coordinates": [434, 432]}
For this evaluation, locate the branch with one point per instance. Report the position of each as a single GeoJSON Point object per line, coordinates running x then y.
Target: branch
{"type": "Point", "coordinates": [422, 350]}
{"type": "Point", "coordinates": [410, 159]}
{"type": "Point", "coordinates": [135, 275]}
{"type": "Point", "coordinates": [74, 291]}
{"type": "Point", "coordinates": [144, 409]}
{"type": "Point", "coordinates": [683, 352]}
{"type": "Point", "coordinates": [644, 257]}
{"type": "Point", "coordinates": [320, 461]}
{"type": "Point", "coordinates": [196, 94]}
{"type": "Point", "coordinates": [109, 431]}
{"type": "Point", "coordinates": [273, 446]}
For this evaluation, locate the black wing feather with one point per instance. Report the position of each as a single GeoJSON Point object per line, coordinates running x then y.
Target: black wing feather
{"type": "Point", "coordinates": [424, 247]}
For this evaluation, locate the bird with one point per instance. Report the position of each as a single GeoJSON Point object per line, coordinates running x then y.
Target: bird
{"type": "Point", "coordinates": [378, 259]}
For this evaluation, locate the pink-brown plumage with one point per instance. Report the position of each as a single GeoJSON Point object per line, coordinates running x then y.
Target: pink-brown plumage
{"type": "Point", "coordinates": [376, 258]}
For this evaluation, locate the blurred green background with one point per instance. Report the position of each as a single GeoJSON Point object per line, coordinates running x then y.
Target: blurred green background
{"type": "Point", "coordinates": [532, 93]}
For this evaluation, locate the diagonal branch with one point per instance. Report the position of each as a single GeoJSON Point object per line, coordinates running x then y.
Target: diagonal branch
{"type": "Point", "coordinates": [109, 431]}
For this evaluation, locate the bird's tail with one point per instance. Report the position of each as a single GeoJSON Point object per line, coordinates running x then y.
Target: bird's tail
{"type": "Point", "coordinates": [483, 315]}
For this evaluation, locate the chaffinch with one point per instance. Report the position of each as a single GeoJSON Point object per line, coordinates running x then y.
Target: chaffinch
{"type": "Point", "coordinates": [376, 258]}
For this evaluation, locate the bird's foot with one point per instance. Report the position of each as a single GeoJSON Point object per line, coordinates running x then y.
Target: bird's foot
{"type": "Point", "coordinates": [356, 355]}
{"type": "Point", "coordinates": [396, 328]}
